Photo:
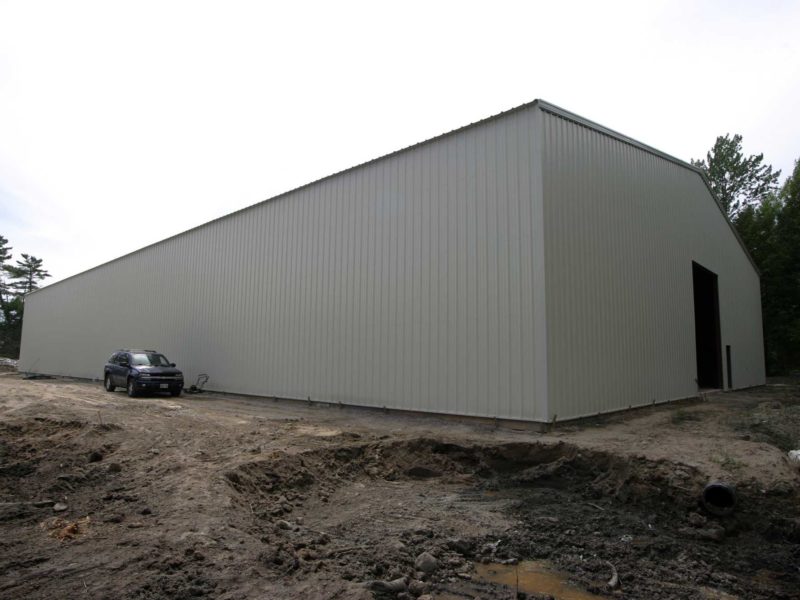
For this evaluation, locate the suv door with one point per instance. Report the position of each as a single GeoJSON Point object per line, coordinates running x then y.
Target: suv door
{"type": "Point", "coordinates": [120, 372]}
{"type": "Point", "coordinates": [112, 368]}
{"type": "Point", "coordinates": [108, 369]}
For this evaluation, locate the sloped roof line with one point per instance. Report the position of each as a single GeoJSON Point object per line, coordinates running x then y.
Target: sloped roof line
{"type": "Point", "coordinates": [577, 119]}
{"type": "Point", "coordinates": [302, 187]}
{"type": "Point", "coordinates": [542, 104]}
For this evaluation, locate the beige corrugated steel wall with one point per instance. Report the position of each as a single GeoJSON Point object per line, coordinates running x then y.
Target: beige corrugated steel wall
{"type": "Point", "coordinates": [407, 282]}
{"type": "Point", "coordinates": [433, 279]}
{"type": "Point", "coordinates": [622, 229]}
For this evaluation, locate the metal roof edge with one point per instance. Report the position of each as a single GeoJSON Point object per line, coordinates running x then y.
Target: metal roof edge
{"type": "Point", "coordinates": [579, 120]}
{"type": "Point", "coordinates": [537, 103]}
{"type": "Point", "coordinates": [499, 115]}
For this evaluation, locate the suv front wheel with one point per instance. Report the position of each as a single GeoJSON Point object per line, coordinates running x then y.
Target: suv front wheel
{"type": "Point", "coordinates": [110, 387]}
{"type": "Point", "coordinates": [131, 387]}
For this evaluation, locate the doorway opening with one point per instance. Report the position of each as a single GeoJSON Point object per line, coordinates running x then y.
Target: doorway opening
{"type": "Point", "coordinates": [706, 328]}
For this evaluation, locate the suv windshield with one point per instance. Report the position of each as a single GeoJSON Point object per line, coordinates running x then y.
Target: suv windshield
{"type": "Point", "coordinates": [149, 360]}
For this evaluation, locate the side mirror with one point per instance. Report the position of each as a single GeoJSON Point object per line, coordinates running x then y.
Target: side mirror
{"type": "Point", "coordinates": [171, 364]}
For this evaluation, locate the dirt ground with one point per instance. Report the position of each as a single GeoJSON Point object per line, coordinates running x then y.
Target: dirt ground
{"type": "Point", "coordinates": [105, 496]}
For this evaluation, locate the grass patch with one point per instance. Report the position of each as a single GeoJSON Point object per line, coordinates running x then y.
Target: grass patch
{"type": "Point", "coordinates": [684, 416]}
{"type": "Point", "coordinates": [772, 423]}
{"type": "Point", "coordinates": [729, 463]}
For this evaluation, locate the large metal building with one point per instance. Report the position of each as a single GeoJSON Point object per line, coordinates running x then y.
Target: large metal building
{"type": "Point", "coordinates": [531, 266]}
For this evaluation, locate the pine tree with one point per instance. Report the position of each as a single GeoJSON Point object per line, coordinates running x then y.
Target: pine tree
{"type": "Point", "coordinates": [5, 256]}
{"type": "Point", "coordinates": [788, 285]}
{"type": "Point", "coordinates": [737, 181]}
{"type": "Point", "coordinates": [27, 274]}
{"type": "Point", "coordinates": [15, 281]}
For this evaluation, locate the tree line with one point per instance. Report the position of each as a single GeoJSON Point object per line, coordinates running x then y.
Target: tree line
{"type": "Point", "coordinates": [16, 280]}
{"type": "Point", "coordinates": [766, 215]}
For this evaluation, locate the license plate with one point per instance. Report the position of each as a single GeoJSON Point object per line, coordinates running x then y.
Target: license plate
{"type": "Point", "coordinates": [164, 386]}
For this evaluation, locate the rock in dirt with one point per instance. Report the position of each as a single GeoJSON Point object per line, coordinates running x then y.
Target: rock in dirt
{"type": "Point", "coordinates": [281, 524]}
{"type": "Point", "coordinates": [426, 562]}
{"type": "Point", "coordinates": [114, 468]}
{"type": "Point", "coordinates": [396, 546]}
{"type": "Point", "coordinates": [696, 519]}
{"type": "Point", "coordinates": [715, 534]}
{"type": "Point", "coordinates": [59, 507]}
{"type": "Point", "coordinates": [393, 587]}
{"type": "Point", "coordinates": [417, 587]}
{"type": "Point", "coordinates": [712, 533]}
{"type": "Point", "coordinates": [114, 519]}
{"type": "Point", "coordinates": [460, 545]}
{"type": "Point", "coordinates": [425, 597]}
{"type": "Point", "coordinates": [95, 456]}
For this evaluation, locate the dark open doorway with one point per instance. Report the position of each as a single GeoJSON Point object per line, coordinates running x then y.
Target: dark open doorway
{"type": "Point", "coordinates": [706, 328]}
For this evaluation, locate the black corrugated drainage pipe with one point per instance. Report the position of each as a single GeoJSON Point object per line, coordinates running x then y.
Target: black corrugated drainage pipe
{"type": "Point", "coordinates": [719, 498]}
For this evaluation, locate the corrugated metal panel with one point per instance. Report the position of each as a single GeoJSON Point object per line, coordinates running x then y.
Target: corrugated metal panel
{"type": "Point", "coordinates": [622, 229]}
{"type": "Point", "coordinates": [417, 281]}
{"type": "Point", "coordinates": [407, 282]}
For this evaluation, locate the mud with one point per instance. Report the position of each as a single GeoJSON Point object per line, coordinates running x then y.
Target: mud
{"type": "Point", "coordinates": [111, 497]}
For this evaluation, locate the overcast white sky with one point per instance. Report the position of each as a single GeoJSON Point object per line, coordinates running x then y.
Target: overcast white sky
{"type": "Point", "coordinates": [122, 123]}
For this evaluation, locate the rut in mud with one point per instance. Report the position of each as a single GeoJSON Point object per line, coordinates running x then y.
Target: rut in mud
{"type": "Point", "coordinates": [577, 509]}
{"type": "Point", "coordinates": [213, 499]}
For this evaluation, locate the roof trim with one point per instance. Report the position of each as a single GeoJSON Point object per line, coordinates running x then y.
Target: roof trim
{"type": "Point", "coordinates": [569, 116]}
{"type": "Point", "coordinates": [542, 104]}
{"type": "Point", "coordinates": [302, 187]}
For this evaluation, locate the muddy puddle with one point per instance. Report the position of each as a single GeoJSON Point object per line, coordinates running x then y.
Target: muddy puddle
{"type": "Point", "coordinates": [533, 577]}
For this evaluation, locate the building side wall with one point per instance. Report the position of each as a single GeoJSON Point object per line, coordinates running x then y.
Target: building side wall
{"type": "Point", "coordinates": [622, 227]}
{"type": "Point", "coordinates": [406, 283]}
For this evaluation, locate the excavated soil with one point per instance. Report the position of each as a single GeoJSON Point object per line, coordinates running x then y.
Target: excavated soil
{"type": "Point", "coordinates": [105, 496]}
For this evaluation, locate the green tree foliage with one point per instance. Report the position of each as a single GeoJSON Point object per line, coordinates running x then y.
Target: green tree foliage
{"type": "Point", "coordinates": [768, 220]}
{"type": "Point", "coordinates": [738, 181]}
{"type": "Point", "coordinates": [27, 274]}
{"type": "Point", "coordinates": [5, 251]}
{"type": "Point", "coordinates": [5, 256]}
{"type": "Point", "coordinates": [15, 281]}
{"type": "Point", "coordinates": [770, 230]}
{"type": "Point", "coordinates": [787, 294]}
{"type": "Point", "coordinates": [758, 227]}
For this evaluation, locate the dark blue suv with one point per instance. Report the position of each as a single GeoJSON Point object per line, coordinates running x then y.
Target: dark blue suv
{"type": "Point", "coordinates": [142, 371]}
